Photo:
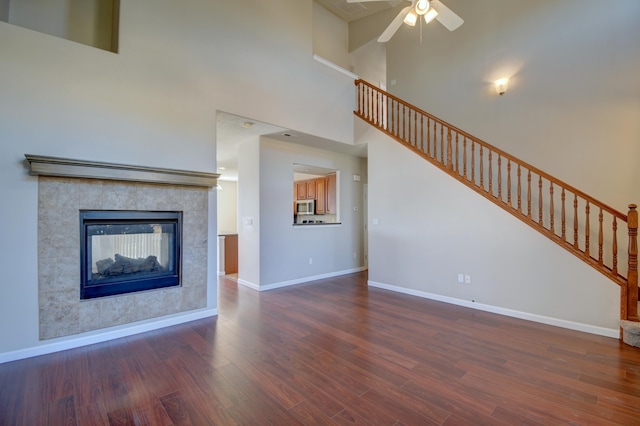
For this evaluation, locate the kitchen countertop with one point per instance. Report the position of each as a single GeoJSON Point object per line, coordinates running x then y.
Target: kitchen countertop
{"type": "Point", "coordinates": [317, 224]}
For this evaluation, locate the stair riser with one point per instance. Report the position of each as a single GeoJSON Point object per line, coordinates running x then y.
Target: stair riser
{"type": "Point", "coordinates": [631, 333]}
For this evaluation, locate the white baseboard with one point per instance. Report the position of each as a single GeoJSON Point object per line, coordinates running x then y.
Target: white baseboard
{"type": "Point", "coordinates": [571, 325]}
{"type": "Point", "coordinates": [299, 280]}
{"type": "Point", "coordinates": [249, 284]}
{"type": "Point", "coordinates": [111, 333]}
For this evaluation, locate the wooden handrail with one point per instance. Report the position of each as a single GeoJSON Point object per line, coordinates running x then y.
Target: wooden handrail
{"type": "Point", "coordinates": [488, 170]}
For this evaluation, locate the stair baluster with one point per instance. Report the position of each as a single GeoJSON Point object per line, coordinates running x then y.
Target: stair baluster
{"type": "Point", "coordinates": [600, 236]}
{"type": "Point", "coordinates": [632, 272]}
{"type": "Point", "coordinates": [529, 194]}
{"type": "Point", "coordinates": [509, 182]}
{"type": "Point", "coordinates": [500, 178]}
{"type": "Point", "coordinates": [540, 201]}
{"type": "Point", "coordinates": [551, 209]}
{"type": "Point", "coordinates": [586, 229]}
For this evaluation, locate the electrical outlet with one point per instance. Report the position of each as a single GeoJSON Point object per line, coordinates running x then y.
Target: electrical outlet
{"type": "Point", "coordinates": [311, 261]}
{"type": "Point", "coordinates": [354, 254]}
{"type": "Point", "coordinates": [461, 278]}
{"type": "Point", "coordinates": [467, 279]}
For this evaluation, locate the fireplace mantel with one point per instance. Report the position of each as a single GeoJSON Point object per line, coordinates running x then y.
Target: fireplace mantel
{"type": "Point", "coordinates": [66, 167]}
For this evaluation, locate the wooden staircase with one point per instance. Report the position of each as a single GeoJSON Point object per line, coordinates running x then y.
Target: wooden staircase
{"type": "Point", "coordinates": [574, 220]}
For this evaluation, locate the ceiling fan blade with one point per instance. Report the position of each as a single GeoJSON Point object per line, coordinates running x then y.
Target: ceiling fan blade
{"type": "Point", "coordinates": [394, 25]}
{"type": "Point", "coordinates": [446, 17]}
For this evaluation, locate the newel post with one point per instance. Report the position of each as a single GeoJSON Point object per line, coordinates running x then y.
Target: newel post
{"type": "Point", "coordinates": [632, 274]}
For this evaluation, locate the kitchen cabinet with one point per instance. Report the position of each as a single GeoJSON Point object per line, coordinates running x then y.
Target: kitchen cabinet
{"type": "Point", "coordinates": [311, 189]}
{"type": "Point", "coordinates": [306, 190]}
{"type": "Point", "coordinates": [301, 190]}
{"type": "Point", "coordinates": [323, 190]}
{"type": "Point", "coordinates": [321, 195]}
{"type": "Point", "coordinates": [330, 190]}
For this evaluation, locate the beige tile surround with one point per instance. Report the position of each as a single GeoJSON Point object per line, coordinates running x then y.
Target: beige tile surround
{"type": "Point", "coordinates": [62, 313]}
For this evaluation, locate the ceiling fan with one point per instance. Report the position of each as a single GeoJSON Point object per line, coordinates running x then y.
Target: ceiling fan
{"type": "Point", "coordinates": [430, 10]}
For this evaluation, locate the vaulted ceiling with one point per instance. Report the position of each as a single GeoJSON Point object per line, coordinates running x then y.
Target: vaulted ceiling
{"type": "Point", "coordinates": [353, 11]}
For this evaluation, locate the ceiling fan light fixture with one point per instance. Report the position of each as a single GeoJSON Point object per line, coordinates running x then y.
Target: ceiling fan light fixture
{"type": "Point", "coordinates": [411, 18]}
{"type": "Point", "coordinates": [422, 6]}
{"type": "Point", "coordinates": [430, 16]}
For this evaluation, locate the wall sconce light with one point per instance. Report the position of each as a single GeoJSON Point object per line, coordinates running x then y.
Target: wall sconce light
{"type": "Point", "coordinates": [502, 85]}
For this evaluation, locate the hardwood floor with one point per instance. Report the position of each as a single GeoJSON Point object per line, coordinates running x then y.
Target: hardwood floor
{"type": "Point", "coordinates": [332, 352]}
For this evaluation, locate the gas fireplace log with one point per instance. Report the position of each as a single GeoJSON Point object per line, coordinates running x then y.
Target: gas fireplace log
{"type": "Point", "coordinates": [126, 265]}
{"type": "Point", "coordinates": [104, 265]}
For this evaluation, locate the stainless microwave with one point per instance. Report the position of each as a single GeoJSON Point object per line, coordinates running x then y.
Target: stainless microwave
{"type": "Point", "coordinates": [305, 207]}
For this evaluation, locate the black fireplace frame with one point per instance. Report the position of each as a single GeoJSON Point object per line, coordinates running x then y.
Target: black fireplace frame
{"type": "Point", "coordinates": [90, 289]}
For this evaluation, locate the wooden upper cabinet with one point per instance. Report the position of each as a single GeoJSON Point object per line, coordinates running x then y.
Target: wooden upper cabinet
{"type": "Point", "coordinates": [311, 189]}
{"type": "Point", "coordinates": [301, 190]}
{"type": "Point", "coordinates": [330, 183]}
{"type": "Point", "coordinates": [305, 189]}
{"type": "Point", "coordinates": [321, 195]}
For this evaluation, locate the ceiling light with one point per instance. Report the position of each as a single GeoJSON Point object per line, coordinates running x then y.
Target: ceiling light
{"type": "Point", "coordinates": [411, 18]}
{"type": "Point", "coordinates": [247, 124]}
{"type": "Point", "coordinates": [502, 85]}
{"type": "Point", "coordinates": [431, 14]}
{"type": "Point", "coordinates": [421, 7]}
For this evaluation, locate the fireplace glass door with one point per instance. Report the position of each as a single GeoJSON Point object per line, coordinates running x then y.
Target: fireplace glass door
{"type": "Point", "coordinates": [128, 251]}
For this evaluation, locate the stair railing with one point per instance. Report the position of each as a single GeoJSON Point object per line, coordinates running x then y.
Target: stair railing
{"type": "Point", "coordinates": [559, 211]}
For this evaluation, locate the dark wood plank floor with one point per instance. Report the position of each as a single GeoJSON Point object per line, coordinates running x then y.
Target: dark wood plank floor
{"type": "Point", "coordinates": [332, 352]}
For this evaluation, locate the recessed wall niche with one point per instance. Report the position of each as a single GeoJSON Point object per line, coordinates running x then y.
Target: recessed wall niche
{"type": "Point", "coordinates": [90, 22]}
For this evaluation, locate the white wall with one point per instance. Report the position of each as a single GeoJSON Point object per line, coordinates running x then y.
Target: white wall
{"type": "Point", "coordinates": [50, 16]}
{"type": "Point", "coordinates": [285, 249]}
{"type": "Point", "coordinates": [85, 21]}
{"type": "Point", "coordinates": [330, 36]}
{"type": "Point", "coordinates": [152, 104]}
{"type": "Point", "coordinates": [249, 213]}
{"type": "Point", "coordinates": [227, 196]}
{"type": "Point", "coordinates": [369, 62]}
{"type": "Point", "coordinates": [431, 228]}
{"type": "Point", "coordinates": [573, 104]}
{"type": "Point", "coordinates": [4, 10]}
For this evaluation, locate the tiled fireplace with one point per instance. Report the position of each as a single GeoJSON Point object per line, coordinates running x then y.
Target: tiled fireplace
{"type": "Point", "coordinates": [61, 199]}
